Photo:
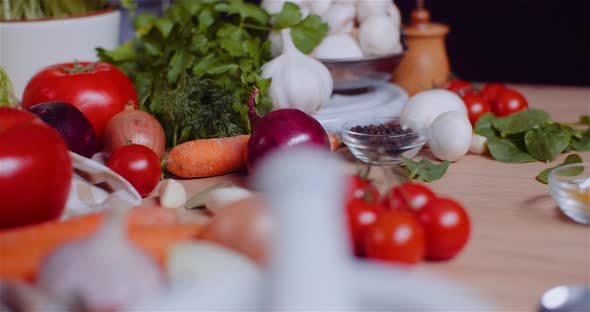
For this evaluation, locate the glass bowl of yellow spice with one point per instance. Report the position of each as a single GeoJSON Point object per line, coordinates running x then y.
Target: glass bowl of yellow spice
{"type": "Point", "coordinates": [570, 188]}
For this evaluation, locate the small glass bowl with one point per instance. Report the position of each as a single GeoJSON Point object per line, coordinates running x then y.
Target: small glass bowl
{"type": "Point", "coordinates": [570, 188]}
{"type": "Point", "coordinates": [382, 149]}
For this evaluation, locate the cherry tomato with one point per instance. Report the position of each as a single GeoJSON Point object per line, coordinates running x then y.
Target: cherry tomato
{"type": "Point", "coordinates": [490, 91]}
{"type": "Point", "coordinates": [476, 106]}
{"type": "Point", "coordinates": [361, 214]}
{"type": "Point", "coordinates": [137, 164]}
{"type": "Point", "coordinates": [459, 86]}
{"type": "Point", "coordinates": [509, 101]}
{"type": "Point", "coordinates": [396, 236]}
{"type": "Point", "coordinates": [412, 196]}
{"type": "Point", "coordinates": [35, 170]}
{"type": "Point", "coordinates": [447, 228]}
{"type": "Point", "coordinates": [99, 90]}
{"type": "Point", "coordinates": [359, 188]}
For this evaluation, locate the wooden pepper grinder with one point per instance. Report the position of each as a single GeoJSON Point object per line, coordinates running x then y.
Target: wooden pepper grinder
{"type": "Point", "coordinates": [426, 63]}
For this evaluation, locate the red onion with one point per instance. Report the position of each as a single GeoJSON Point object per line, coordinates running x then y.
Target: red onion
{"type": "Point", "coordinates": [71, 124]}
{"type": "Point", "coordinates": [282, 129]}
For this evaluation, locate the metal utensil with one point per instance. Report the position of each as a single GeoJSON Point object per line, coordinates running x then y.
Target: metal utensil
{"type": "Point", "coordinates": [566, 298]}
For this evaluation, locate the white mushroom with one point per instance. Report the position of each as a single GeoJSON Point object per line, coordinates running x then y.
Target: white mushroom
{"type": "Point", "coordinates": [338, 46]}
{"type": "Point", "coordinates": [422, 108]}
{"type": "Point", "coordinates": [370, 8]}
{"type": "Point", "coordinates": [449, 136]}
{"type": "Point", "coordinates": [318, 7]}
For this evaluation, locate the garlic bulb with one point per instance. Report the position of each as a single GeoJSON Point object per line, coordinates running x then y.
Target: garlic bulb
{"type": "Point", "coordinates": [318, 7]}
{"type": "Point", "coordinates": [379, 36]}
{"type": "Point", "coordinates": [367, 9]}
{"type": "Point", "coordinates": [395, 15]}
{"type": "Point", "coordinates": [340, 17]}
{"type": "Point", "coordinates": [276, 44]}
{"type": "Point", "coordinates": [275, 6]}
{"type": "Point", "coordinates": [338, 46]}
{"type": "Point", "coordinates": [298, 81]}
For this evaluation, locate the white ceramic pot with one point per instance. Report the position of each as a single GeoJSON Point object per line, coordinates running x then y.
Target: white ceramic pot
{"type": "Point", "coordinates": [28, 46]}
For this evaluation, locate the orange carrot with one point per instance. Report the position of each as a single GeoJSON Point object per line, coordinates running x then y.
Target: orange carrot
{"type": "Point", "coordinates": [23, 249]}
{"type": "Point", "coordinates": [208, 157]}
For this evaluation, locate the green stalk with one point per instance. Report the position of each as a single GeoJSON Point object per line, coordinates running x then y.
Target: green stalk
{"type": "Point", "coordinates": [6, 9]}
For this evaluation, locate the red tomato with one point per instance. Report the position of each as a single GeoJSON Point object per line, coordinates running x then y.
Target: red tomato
{"type": "Point", "coordinates": [99, 90]}
{"type": "Point", "coordinates": [459, 86]}
{"type": "Point", "coordinates": [10, 117]}
{"type": "Point", "coordinates": [476, 106]}
{"type": "Point", "coordinates": [359, 188]}
{"type": "Point", "coordinates": [396, 236]}
{"type": "Point", "coordinates": [509, 101]}
{"type": "Point", "coordinates": [137, 164]}
{"type": "Point", "coordinates": [490, 91]}
{"type": "Point", "coordinates": [361, 214]}
{"type": "Point", "coordinates": [447, 228]}
{"type": "Point", "coordinates": [35, 171]}
{"type": "Point", "coordinates": [409, 195]}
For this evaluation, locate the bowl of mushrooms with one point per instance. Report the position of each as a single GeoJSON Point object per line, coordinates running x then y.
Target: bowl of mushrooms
{"type": "Point", "coordinates": [364, 45]}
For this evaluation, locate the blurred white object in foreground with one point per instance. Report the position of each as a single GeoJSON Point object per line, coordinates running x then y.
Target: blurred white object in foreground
{"type": "Point", "coordinates": [312, 267]}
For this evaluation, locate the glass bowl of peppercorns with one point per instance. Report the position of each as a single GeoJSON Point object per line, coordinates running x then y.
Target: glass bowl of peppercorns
{"type": "Point", "coordinates": [382, 140]}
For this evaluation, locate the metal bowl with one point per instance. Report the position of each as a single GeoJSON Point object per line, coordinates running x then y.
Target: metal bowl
{"type": "Point", "coordinates": [362, 73]}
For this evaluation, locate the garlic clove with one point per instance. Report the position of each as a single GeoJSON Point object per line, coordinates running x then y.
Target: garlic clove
{"type": "Point", "coordinates": [221, 197]}
{"type": "Point", "coordinates": [378, 35]}
{"type": "Point", "coordinates": [172, 194]}
{"type": "Point", "coordinates": [449, 136]}
{"type": "Point", "coordinates": [478, 144]}
{"type": "Point", "coordinates": [338, 46]}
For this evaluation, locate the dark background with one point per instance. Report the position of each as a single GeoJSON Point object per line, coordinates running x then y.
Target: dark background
{"type": "Point", "coordinates": [520, 41]}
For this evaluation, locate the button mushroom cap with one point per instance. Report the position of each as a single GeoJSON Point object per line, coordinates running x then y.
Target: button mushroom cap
{"type": "Point", "coordinates": [422, 108]}
{"type": "Point", "coordinates": [340, 17]}
{"type": "Point", "coordinates": [449, 136]}
{"type": "Point", "coordinates": [367, 9]}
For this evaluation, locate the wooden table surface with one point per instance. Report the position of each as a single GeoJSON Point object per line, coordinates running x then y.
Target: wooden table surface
{"type": "Point", "coordinates": [521, 244]}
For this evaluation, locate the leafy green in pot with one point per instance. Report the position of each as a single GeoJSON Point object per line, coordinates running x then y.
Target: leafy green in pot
{"type": "Point", "coordinates": [543, 176]}
{"type": "Point", "coordinates": [195, 67]}
{"type": "Point", "coordinates": [425, 170]}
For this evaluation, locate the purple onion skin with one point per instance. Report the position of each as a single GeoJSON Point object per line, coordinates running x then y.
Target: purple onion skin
{"type": "Point", "coordinates": [282, 129]}
{"type": "Point", "coordinates": [71, 124]}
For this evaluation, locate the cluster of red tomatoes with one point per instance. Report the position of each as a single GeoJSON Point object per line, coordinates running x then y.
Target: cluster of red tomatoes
{"type": "Point", "coordinates": [492, 97]}
{"type": "Point", "coordinates": [410, 223]}
{"type": "Point", "coordinates": [35, 168]}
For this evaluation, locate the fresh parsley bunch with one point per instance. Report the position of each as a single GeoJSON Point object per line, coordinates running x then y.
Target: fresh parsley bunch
{"type": "Point", "coordinates": [195, 67]}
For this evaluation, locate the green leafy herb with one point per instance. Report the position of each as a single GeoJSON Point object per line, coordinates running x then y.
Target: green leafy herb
{"type": "Point", "coordinates": [548, 141]}
{"type": "Point", "coordinates": [581, 142]}
{"type": "Point", "coordinates": [484, 127]}
{"type": "Point", "coordinates": [508, 151]}
{"type": "Point", "coordinates": [520, 122]}
{"type": "Point", "coordinates": [195, 67]}
{"type": "Point", "coordinates": [543, 176]}
{"type": "Point", "coordinates": [7, 97]}
{"type": "Point", "coordinates": [425, 170]}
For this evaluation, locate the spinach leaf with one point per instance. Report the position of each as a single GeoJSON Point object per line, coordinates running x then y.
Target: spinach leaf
{"type": "Point", "coordinates": [425, 170]}
{"type": "Point", "coordinates": [483, 126]}
{"type": "Point", "coordinates": [548, 141]}
{"type": "Point", "coordinates": [507, 151]}
{"type": "Point", "coordinates": [543, 176]}
{"type": "Point", "coordinates": [581, 142]}
{"type": "Point", "coordinates": [521, 122]}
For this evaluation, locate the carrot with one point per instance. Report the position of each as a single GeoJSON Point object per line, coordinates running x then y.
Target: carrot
{"type": "Point", "coordinates": [23, 249]}
{"type": "Point", "coordinates": [208, 157]}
